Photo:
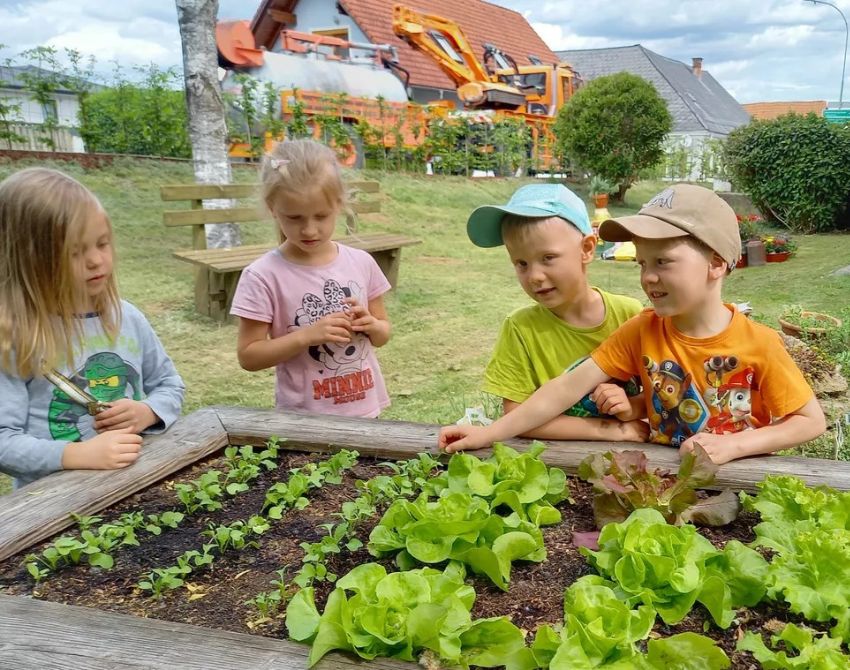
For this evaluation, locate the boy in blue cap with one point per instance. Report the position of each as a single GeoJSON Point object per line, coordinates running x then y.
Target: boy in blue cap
{"type": "Point", "coordinates": [547, 233]}
{"type": "Point", "coordinates": [711, 377]}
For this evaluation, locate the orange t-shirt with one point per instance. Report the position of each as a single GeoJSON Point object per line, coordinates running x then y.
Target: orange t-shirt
{"type": "Point", "coordinates": [740, 378]}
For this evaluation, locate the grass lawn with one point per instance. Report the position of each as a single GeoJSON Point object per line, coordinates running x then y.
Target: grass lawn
{"type": "Point", "coordinates": [451, 299]}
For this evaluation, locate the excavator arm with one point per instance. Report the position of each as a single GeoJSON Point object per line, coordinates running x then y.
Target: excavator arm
{"type": "Point", "coordinates": [445, 42]}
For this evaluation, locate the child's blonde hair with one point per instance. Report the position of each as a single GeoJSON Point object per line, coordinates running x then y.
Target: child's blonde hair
{"type": "Point", "coordinates": [43, 214]}
{"type": "Point", "coordinates": [301, 166]}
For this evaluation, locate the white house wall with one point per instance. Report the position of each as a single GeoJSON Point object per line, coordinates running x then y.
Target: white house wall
{"type": "Point", "coordinates": [67, 107]}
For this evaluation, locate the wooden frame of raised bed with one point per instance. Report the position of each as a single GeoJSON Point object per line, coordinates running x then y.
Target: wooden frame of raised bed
{"type": "Point", "coordinates": [38, 634]}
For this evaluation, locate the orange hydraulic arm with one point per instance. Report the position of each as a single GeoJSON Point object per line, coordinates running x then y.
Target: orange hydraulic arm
{"type": "Point", "coordinates": [445, 42]}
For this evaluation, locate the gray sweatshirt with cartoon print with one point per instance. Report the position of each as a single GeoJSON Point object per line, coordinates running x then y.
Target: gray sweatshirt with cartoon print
{"type": "Point", "coordinates": [37, 420]}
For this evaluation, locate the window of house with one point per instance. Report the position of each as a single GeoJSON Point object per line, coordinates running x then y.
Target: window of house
{"type": "Point", "coordinates": [339, 33]}
{"type": "Point", "coordinates": [50, 110]}
{"type": "Point", "coordinates": [446, 46]}
{"type": "Point", "coordinates": [501, 61]}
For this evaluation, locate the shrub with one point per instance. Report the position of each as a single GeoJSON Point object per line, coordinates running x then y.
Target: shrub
{"type": "Point", "coordinates": [614, 127]}
{"type": "Point", "coordinates": [796, 169]}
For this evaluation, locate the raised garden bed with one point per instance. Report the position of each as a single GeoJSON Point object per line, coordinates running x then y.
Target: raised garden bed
{"type": "Point", "coordinates": [214, 596]}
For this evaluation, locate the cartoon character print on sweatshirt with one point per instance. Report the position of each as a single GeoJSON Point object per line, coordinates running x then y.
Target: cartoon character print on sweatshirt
{"type": "Point", "coordinates": [678, 409]}
{"type": "Point", "coordinates": [729, 392]}
{"type": "Point", "coordinates": [104, 375]}
{"type": "Point", "coordinates": [342, 375]}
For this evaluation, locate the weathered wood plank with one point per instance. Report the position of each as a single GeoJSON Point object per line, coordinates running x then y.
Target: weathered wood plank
{"type": "Point", "coordinates": [237, 258]}
{"type": "Point", "coordinates": [364, 186]}
{"type": "Point", "coordinates": [35, 634]}
{"type": "Point", "coordinates": [397, 439]}
{"type": "Point", "coordinates": [42, 508]}
{"type": "Point", "coordinates": [193, 217]}
{"type": "Point", "coordinates": [366, 207]}
{"type": "Point", "coordinates": [207, 191]}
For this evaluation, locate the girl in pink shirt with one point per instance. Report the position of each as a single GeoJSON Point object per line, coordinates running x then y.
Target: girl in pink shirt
{"type": "Point", "coordinates": [313, 308]}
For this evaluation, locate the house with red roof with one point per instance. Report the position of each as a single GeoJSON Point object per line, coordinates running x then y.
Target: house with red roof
{"type": "Point", "coordinates": [371, 21]}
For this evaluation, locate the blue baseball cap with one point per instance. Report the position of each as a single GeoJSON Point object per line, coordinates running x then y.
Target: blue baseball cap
{"type": "Point", "coordinates": [534, 201]}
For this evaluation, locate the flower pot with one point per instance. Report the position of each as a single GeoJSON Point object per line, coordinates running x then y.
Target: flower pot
{"type": "Point", "coordinates": [777, 256]}
{"type": "Point", "coordinates": [742, 263]}
{"type": "Point", "coordinates": [600, 200]}
{"type": "Point", "coordinates": [796, 330]}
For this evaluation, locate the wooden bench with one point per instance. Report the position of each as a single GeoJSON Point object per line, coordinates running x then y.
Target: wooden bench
{"type": "Point", "coordinates": [218, 270]}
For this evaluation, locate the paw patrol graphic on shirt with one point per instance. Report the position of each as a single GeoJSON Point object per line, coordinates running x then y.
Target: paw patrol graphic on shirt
{"type": "Point", "coordinates": [104, 375]}
{"type": "Point", "coordinates": [678, 410]}
{"type": "Point", "coordinates": [342, 377]}
{"type": "Point", "coordinates": [730, 394]}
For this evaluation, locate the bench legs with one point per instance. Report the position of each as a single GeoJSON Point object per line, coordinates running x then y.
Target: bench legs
{"type": "Point", "coordinates": [389, 262]}
{"type": "Point", "coordinates": [214, 293]}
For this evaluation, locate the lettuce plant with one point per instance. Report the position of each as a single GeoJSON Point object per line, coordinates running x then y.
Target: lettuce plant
{"type": "Point", "coordinates": [520, 481]}
{"type": "Point", "coordinates": [812, 575]}
{"type": "Point", "coordinates": [622, 482]}
{"type": "Point", "coordinates": [787, 506]}
{"type": "Point", "coordinates": [400, 615]}
{"type": "Point", "coordinates": [809, 650]}
{"type": "Point", "coordinates": [456, 526]}
{"type": "Point", "coordinates": [599, 629]}
{"type": "Point", "coordinates": [673, 567]}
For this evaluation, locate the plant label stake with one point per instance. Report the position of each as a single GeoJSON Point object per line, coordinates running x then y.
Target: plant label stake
{"type": "Point", "coordinates": [75, 393]}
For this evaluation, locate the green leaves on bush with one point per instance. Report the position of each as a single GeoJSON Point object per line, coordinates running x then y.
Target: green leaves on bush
{"type": "Point", "coordinates": [795, 169]}
{"type": "Point", "coordinates": [623, 483]}
{"type": "Point", "coordinates": [401, 614]}
{"type": "Point", "coordinates": [673, 567]}
{"type": "Point", "coordinates": [810, 650]}
{"type": "Point", "coordinates": [614, 126]}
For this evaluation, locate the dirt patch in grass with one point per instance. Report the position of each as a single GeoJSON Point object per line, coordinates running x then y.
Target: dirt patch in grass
{"type": "Point", "coordinates": [216, 597]}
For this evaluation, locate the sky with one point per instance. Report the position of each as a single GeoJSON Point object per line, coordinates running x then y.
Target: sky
{"type": "Point", "coordinates": [758, 49]}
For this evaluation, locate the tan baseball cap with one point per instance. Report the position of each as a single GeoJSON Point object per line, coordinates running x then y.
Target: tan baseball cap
{"type": "Point", "coordinates": [678, 211]}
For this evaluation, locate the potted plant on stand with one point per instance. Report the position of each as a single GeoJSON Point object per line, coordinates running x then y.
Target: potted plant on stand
{"type": "Point", "coordinates": [798, 322]}
{"type": "Point", "coordinates": [748, 227]}
{"type": "Point", "coordinates": [779, 248]}
{"type": "Point", "coordinates": [600, 188]}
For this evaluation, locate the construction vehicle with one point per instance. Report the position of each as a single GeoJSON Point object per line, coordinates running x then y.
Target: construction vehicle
{"type": "Point", "coordinates": [497, 82]}
{"type": "Point", "coordinates": [320, 76]}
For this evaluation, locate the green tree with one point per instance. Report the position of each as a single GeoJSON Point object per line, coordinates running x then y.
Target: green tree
{"type": "Point", "coordinates": [41, 83]}
{"type": "Point", "coordinates": [796, 170]}
{"type": "Point", "coordinates": [614, 126]}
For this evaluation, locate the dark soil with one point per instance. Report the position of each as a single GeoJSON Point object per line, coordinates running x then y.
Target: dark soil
{"type": "Point", "coordinates": [216, 597]}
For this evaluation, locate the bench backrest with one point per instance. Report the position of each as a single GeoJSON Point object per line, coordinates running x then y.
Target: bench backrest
{"type": "Point", "coordinates": [198, 217]}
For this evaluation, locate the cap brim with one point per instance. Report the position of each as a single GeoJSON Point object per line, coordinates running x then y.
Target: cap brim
{"type": "Point", "coordinates": [484, 225]}
{"type": "Point", "coordinates": [625, 228]}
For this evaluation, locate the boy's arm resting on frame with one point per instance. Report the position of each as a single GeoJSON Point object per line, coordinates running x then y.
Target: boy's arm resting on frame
{"type": "Point", "coordinates": [585, 428]}
{"type": "Point", "coordinates": [545, 404]}
{"type": "Point", "coordinates": [791, 430]}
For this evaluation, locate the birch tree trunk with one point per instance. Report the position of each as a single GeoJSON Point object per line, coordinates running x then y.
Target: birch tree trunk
{"type": "Point", "coordinates": [205, 106]}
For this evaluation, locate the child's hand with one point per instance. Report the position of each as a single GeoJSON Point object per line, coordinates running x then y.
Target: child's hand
{"type": "Point", "coordinates": [462, 438]}
{"type": "Point", "coordinates": [611, 399]}
{"type": "Point", "coordinates": [720, 448]}
{"type": "Point", "coordinates": [110, 450]}
{"type": "Point", "coordinates": [125, 414]}
{"type": "Point", "coordinates": [362, 320]}
{"type": "Point", "coordinates": [334, 327]}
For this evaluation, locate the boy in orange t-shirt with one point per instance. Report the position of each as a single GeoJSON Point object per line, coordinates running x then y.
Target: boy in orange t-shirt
{"type": "Point", "coordinates": [711, 375]}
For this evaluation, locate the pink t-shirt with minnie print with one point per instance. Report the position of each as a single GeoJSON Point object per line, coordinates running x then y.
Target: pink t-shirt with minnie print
{"type": "Point", "coordinates": [332, 378]}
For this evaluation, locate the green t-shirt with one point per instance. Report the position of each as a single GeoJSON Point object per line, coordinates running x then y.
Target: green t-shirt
{"type": "Point", "coordinates": [535, 346]}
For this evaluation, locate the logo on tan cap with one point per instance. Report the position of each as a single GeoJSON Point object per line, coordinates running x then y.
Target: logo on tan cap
{"type": "Point", "coordinates": [679, 211]}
